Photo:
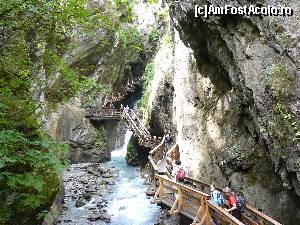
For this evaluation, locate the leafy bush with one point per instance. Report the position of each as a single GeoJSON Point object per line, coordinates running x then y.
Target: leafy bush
{"type": "Point", "coordinates": [147, 78]}
{"type": "Point", "coordinates": [29, 180]}
{"type": "Point", "coordinates": [153, 36]}
{"type": "Point", "coordinates": [131, 153]}
{"type": "Point", "coordinates": [34, 38]}
{"type": "Point", "coordinates": [100, 139]}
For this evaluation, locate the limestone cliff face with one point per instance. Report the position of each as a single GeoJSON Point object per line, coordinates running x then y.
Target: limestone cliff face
{"type": "Point", "coordinates": [98, 55]}
{"type": "Point", "coordinates": [88, 142]}
{"type": "Point", "coordinates": [108, 64]}
{"type": "Point", "coordinates": [235, 103]}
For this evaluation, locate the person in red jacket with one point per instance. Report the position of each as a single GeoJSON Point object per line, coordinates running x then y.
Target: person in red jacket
{"type": "Point", "coordinates": [231, 203]}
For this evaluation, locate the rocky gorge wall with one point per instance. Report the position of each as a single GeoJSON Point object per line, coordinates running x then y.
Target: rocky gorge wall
{"type": "Point", "coordinates": [110, 65]}
{"type": "Point", "coordinates": [68, 123]}
{"type": "Point", "coordinates": [228, 87]}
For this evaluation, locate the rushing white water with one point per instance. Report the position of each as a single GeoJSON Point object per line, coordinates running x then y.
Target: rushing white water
{"type": "Point", "coordinates": [130, 205]}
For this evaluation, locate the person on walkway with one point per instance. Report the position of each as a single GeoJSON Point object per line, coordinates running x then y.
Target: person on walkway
{"type": "Point", "coordinates": [168, 141]}
{"type": "Point", "coordinates": [231, 203]}
{"type": "Point", "coordinates": [216, 196]}
{"type": "Point", "coordinates": [126, 109]}
{"type": "Point", "coordinates": [179, 171]}
{"type": "Point", "coordinates": [217, 199]}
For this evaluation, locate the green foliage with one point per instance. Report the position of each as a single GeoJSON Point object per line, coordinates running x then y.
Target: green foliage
{"type": "Point", "coordinates": [280, 81]}
{"type": "Point", "coordinates": [153, 36]}
{"type": "Point", "coordinates": [289, 120]}
{"type": "Point", "coordinates": [147, 78]}
{"type": "Point", "coordinates": [131, 153]}
{"type": "Point", "coordinates": [162, 15]}
{"type": "Point", "coordinates": [100, 139]}
{"type": "Point", "coordinates": [168, 39]}
{"type": "Point", "coordinates": [34, 38]}
{"type": "Point", "coordinates": [29, 171]}
{"type": "Point", "coordinates": [152, 1]}
{"type": "Point", "coordinates": [282, 85]}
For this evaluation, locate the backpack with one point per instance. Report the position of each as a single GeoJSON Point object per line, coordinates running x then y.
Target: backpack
{"type": "Point", "coordinates": [240, 203]}
{"type": "Point", "coordinates": [168, 138]}
{"type": "Point", "coordinates": [180, 174]}
{"type": "Point", "coordinates": [218, 198]}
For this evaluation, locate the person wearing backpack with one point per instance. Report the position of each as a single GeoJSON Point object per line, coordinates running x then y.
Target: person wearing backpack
{"type": "Point", "coordinates": [168, 141]}
{"type": "Point", "coordinates": [216, 196]}
{"type": "Point", "coordinates": [240, 204]}
{"type": "Point", "coordinates": [231, 203]}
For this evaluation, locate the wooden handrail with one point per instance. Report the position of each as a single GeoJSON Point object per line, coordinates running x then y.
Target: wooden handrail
{"type": "Point", "coordinates": [174, 153]}
{"type": "Point", "coordinates": [189, 198]}
{"type": "Point", "coordinates": [205, 206]}
{"type": "Point", "coordinates": [182, 186]}
{"type": "Point", "coordinates": [262, 215]}
{"type": "Point", "coordinates": [158, 146]}
{"type": "Point", "coordinates": [154, 166]}
{"type": "Point", "coordinates": [224, 215]}
{"type": "Point", "coordinates": [140, 123]}
{"type": "Point", "coordinates": [253, 212]}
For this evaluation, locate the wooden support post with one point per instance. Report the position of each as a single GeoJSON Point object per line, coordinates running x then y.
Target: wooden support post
{"type": "Point", "coordinates": [262, 222]}
{"type": "Point", "coordinates": [208, 217]}
{"type": "Point", "coordinates": [159, 192]}
{"type": "Point", "coordinates": [161, 189]}
{"type": "Point", "coordinates": [200, 212]}
{"type": "Point", "coordinates": [177, 204]}
{"type": "Point", "coordinates": [203, 219]}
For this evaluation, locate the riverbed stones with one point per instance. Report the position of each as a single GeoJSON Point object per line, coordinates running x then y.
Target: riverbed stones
{"type": "Point", "coordinates": [80, 202]}
{"type": "Point", "coordinates": [87, 186]}
{"type": "Point", "coordinates": [99, 216]}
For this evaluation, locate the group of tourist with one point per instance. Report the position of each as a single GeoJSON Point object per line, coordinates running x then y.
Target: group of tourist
{"type": "Point", "coordinates": [231, 202]}
{"type": "Point", "coordinates": [228, 200]}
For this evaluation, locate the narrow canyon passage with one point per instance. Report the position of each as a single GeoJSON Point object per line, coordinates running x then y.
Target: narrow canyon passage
{"type": "Point", "coordinates": [107, 193]}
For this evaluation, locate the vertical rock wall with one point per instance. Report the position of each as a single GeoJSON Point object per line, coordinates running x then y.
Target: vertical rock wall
{"type": "Point", "coordinates": [235, 104]}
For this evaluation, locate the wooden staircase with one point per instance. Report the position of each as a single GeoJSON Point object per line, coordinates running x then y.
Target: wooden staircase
{"type": "Point", "coordinates": [123, 91]}
{"type": "Point", "coordinates": [131, 118]}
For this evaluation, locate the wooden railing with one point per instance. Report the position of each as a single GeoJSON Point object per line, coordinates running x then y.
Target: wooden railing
{"type": "Point", "coordinates": [190, 202]}
{"type": "Point", "coordinates": [174, 153]}
{"type": "Point", "coordinates": [139, 130]}
{"type": "Point", "coordinates": [195, 204]}
{"type": "Point", "coordinates": [251, 216]}
{"type": "Point", "coordinates": [95, 113]}
{"type": "Point", "coordinates": [122, 92]}
{"type": "Point", "coordinates": [132, 119]}
{"type": "Point", "coordinates": [155, 156]}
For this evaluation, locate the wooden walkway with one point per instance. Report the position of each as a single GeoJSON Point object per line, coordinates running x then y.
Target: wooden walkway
{"type": "Point", "coordinates": [122, 92]}
{"type": "Point", "coordinates": [192, 199]}
{"type": "Point", "coordinates": [131, 118]}
{"type": "Point", "coordinates": [95, 113]}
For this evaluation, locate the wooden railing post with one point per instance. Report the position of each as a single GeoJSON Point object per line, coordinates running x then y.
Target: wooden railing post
{"type": "Point", "coordinates": [262, 222]}
{"type": "Point", "coordinates": [158, 196]}
{"type": "Point", "coordinates": [178, 202]}
{"type": "Point", "coordinates": [161, 189]}
{"type": "Point", "coordinates": [201, 211]}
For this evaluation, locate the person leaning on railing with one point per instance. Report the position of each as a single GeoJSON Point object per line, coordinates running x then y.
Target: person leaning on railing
{"type": "Point", "coordinates": [231, 203]}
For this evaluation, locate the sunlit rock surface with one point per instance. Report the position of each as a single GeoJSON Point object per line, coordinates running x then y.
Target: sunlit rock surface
{"type": "Point", "coordinates": [235, 104]}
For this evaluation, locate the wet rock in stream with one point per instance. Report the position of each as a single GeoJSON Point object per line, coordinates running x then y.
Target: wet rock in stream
{"type": "Point", "coordinates": [87, 189]}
